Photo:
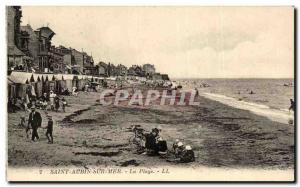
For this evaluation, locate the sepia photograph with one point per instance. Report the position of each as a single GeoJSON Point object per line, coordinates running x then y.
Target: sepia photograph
{"type": "Point", "coordinates": [150, 93]}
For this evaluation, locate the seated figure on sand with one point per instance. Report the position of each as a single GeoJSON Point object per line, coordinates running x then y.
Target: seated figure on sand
{"type": "Point", "coordinates": [187, 155]}
{"type": "Point", "coordinates": [150, 143]}
{"type": "Point", "coordinates": [162, 147]}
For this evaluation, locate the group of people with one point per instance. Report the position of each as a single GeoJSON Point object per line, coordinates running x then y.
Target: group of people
{"type": "Point", "coordinates": [35, 118]}
{"type": "Point", "coordinates": [43, 101]}
{"type": "Point", "coordinates": [35, 122]}
{"type": "Point", "coordinates": [153, 144]}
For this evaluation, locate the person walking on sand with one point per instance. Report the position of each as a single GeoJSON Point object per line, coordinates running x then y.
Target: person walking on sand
{"type": "Point", "coordinates": [197, 92]}
{"type": "Point", "coordinates": [292, 107]}
{"type": "Point", "coordinates": [35, 121]}
{"type": "Point", "coordinates": [49, 130]}
{"type": "Point", "coordinates": [64, 104]}
{"type": "Point", "coordinates": [52, 96]}
{"type": "Point", "coordinates": [56, 102]}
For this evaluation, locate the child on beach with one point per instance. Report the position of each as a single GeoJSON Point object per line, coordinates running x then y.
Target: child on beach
{"type": "Point", "coordinates": [49, 130]}
{"type": "Point", "coordinates": [22, 122]}
{"type": "Point", "coordinates": [44, 105]}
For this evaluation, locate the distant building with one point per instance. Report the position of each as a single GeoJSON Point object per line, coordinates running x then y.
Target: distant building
{"type": "Point", "coordinates": [82, 63]}
{"type": "Point", "coordinates": [102, 69]}
{"type": "Point", "coordinates": [111, 70]}
{"type": "Point", "coordinates": [131, 72]}
{"type": "Point", "coordinates": [121, 70]}
{"type": "Point", "coordinates": [157, 77]}
{"type": "Point", "coordinates": [44, 35]}
{"type": "Point", "coordinates": [57, 64]}
{"type": "Point", "coordinates": [88, 65]}
{"type": "Point", "coordinates": [39, 48]}
{"type": "Point", "coordinates": [149, 69]}
{"type": "Point", "coordinates": [136, 70]}
{"type": "Point", "coordinates": [165, 77]}
{"type": "Point", "coordinates": [77, 63]}
{"type": "Point", "coordinates": [67, 57]}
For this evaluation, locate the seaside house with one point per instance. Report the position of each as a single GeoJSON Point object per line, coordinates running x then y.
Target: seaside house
{"type": "Point", "coordinates": [39, 48]}
{"type": "Point", "coordinates": [57, 64]}
{"type": "Point", "coordinates": [16, 41]}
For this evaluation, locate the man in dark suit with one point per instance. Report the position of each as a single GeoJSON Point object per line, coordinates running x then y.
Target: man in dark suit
{"type": "Point", "coordinates": [35, 121]}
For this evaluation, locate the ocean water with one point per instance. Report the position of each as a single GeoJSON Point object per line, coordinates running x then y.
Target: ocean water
{"type": "Point", "coordinates": [269, 93]}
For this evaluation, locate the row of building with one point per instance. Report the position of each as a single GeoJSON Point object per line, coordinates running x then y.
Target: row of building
{"type": "Point", "coordinates": [31, 50]}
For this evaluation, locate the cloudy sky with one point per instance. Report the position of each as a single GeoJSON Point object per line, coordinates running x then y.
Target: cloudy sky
{"type": "Point", "coordinates": [185, 42]}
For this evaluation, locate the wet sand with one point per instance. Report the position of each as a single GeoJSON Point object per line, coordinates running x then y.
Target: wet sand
{"type": "Point", "coordinates": [89, 134]}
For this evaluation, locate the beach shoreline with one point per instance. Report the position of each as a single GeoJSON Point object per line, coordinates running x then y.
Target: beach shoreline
{"type": "Point", "coordinates": [259, 109]}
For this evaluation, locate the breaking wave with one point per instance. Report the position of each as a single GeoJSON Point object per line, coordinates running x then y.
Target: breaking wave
{"type": "Point", "coordinates": [278, 115]}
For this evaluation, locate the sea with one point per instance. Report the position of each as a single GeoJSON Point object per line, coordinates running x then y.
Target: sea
{"type": "Point", "coordinates": [266, 95]}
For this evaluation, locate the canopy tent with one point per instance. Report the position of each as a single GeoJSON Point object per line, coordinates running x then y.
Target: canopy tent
{"type": "Point", "coordinates": [60, 83]}
{"type": "Point", "coordinates": [21, 77]}
{"type": "Point", "coordinates": [70, 81]}
{"type": "Point", "coordinates": [37, 77]}
{"type": "Point", "coordinates": [38, 84]}
{"type": "Point", "coordinates": [59, 77]}
{"type": "Point", "coordinates": [22, 84]}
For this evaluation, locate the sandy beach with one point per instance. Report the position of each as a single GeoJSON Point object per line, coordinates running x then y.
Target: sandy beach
{"type": "Point", "coordinates": [89, 134]}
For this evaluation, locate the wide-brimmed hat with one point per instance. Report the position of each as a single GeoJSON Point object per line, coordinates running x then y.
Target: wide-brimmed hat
{"type": "Point", "coordinates": [155, 130]}
{"type": "Point", "coordinates": [180, 144]}
{"type": "Point", "coordinates": [188, 147]}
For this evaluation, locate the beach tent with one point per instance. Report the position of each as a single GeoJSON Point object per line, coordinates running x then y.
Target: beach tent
{"type": "Point", "coordinates": [22, 82]}
{"type": "Point", "coordinates": [81, 81]}
{"type": "Point", "coordinates": [89, 78]}
{"type": "Point", "coordinates": [49, 83]}
{"type": "Point", "coordinates": [100, 80]}
{"type": "Point", "coordinates": [111, 81]}
{"type": "Point", "coordinates": [76, 82]}
{"type": "Point", "coordinates": [69, 81]}
{"type": "Point", "coordinates": [45, 82]}
{"type": "Point", "coordinates": [52, 83]}
{"type": "Point", "coordinates": [37, 84]}
{"type": "Point", "coordinates": [60, 83]}
{"type": "Point", "coordinates": [11, 89]}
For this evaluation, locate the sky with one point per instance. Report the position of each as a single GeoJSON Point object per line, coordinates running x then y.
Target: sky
{"type": "Point", "coordinates": [184, 42]}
